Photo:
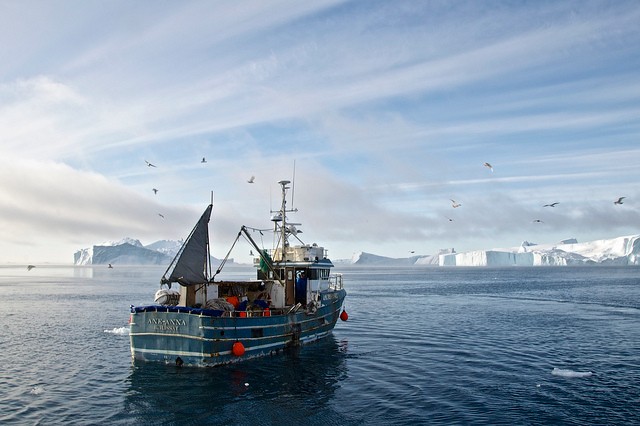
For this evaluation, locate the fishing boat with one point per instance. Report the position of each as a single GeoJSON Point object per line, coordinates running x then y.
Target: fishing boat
{"type": "Point", "coordinates": [208, 321]}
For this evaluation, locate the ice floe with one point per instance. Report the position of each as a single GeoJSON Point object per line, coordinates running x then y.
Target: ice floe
{"type": "Point", "coordinates": [570, 373]}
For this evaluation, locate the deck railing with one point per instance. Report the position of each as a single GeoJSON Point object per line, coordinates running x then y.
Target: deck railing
{"type": "Point", "coordinates": [335, 282]}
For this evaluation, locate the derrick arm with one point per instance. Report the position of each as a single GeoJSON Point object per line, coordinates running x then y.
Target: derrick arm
{"type": "Point", "coordinates": [267, 262]}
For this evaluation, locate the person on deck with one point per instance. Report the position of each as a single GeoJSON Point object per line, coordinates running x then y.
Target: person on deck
{"type": "Point", "coordinates": [301, 289]}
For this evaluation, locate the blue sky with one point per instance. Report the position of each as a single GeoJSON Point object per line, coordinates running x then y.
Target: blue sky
{"type": "Point", "coordinates": [388, 109]}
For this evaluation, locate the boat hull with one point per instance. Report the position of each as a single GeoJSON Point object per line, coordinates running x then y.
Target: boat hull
{"type": "Point", "coordinates": [199, 337]}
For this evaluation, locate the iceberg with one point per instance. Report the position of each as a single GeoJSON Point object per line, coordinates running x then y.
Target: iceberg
{"type": "Point", "coordinates": [615, 251]}
{"type": "Point", "coordinates": [124, 253]}
{"type": "Point", "coordinates": [362, 258]}
{"type": "Point", "coordinates": [129, 251]}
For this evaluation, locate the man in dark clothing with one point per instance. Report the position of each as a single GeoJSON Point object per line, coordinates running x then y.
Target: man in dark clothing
{"type": "Point", "coordinates": [301, 288]}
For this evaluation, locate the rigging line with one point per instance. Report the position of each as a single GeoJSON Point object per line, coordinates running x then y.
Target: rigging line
{"type": "Point", "coordinates": [266, 260]}
{"type": "Point", "coordinates": [277, 237]}
{"type": "Point", "coordinates": [226, 257]}
{"type": "Point", "coordinates": [299, 240]}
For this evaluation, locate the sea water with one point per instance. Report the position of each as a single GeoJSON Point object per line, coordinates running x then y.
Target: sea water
{"type": "Point", "coordinates": [423, 345]}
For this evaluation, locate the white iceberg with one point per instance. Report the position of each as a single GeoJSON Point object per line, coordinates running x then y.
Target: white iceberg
{"type": "Point", "coordinates": [615, 251]}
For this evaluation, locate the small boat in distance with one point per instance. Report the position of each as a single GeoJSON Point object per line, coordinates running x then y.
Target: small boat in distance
{"type": "Point", "coordinates": [294, 300]}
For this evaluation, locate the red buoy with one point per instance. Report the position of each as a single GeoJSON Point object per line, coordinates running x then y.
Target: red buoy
{"type": "Point", "coordinates": [238, 349]}
{"type": "Point", "coordinates": [344, 315]}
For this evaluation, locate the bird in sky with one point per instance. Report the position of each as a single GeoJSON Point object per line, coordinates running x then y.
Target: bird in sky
{"type": "Point", "coordinates": [161, 215]}
{"type": "Point", "coordinates": [537, 221]}
{"type": "Point", "coordinates": [551, 205]}
{"type": "Point", "coordinates": [250, 252]}
{"type": "Point", "coordinates": [149, 164]}
{"type": "Point", "coordinates": [110, 266]}
{"type": "Point", "coordinates": [204, 160]}
{"type": "Point", "coordinates": [454, 204]}
{"type": "Point", "coordinates": [489, 166]}
{"type": "Point", "coordinates": [619, 200]}
{"type": "Point", "coordinates": [412, 251]}
{"type": "Point", "coordinates": [251, 179]}
{"type": "Point", "coordinates": [155, 191]}
{"type": "Point", "coordinates": [30, 267]}
{"type": "Point", "coordinates": [450, 220]}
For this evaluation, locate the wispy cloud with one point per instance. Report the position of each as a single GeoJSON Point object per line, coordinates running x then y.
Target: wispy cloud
{"type": "Point", "coordinates": [390, 109]}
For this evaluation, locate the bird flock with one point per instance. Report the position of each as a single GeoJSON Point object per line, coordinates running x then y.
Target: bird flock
{"type": "Point", "coordinates": [203, 161]}
{"type": "Point", "coordinates": [455, 204]}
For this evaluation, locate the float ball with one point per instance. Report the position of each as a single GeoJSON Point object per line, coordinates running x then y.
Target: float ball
{"type": "Point", "coordinates": [344, 316]}
{"type": "Point", "coordinates": [238, 349]}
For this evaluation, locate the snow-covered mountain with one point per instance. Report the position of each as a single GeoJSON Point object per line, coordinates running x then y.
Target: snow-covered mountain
{"type": "Point", "coordinates": [130, 252]}
{"type": "Point", "coordinates": [168, 247]}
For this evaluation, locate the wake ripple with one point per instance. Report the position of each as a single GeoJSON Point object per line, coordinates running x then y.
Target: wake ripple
{"type": "Point", "coordinates": [118, 330]}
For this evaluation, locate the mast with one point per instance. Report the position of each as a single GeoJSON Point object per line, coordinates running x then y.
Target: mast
{"type": "Point", "coordinates": [283, 212]}
{"type": "Point", "coordinates": [280, 219]}
{"type": "Point", "coordinates": [293, 184]}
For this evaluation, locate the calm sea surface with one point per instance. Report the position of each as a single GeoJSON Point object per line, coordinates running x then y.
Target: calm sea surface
{"type": "Point", "coordinates": [478, 346]}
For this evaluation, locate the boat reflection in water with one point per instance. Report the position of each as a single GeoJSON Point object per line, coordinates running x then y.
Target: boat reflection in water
{"type": "Point", "coordinates": [302, 381]}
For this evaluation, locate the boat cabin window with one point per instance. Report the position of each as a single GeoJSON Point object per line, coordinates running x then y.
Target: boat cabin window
{"type": "Point", "coordinates": [312, 273]}
{"type": "Point", "coordinates": [319, 274]}
{"type": "Point", "coordinates": [265, 275]}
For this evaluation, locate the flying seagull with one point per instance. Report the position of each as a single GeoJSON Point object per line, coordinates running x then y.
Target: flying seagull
{"type": "Point", "coordinates": [454, 204]}
{"type": "Point", "coordinates": [204, 160]}
{"type": "Point", "coordinates": [551, 205]}
{"type": "Point", "coordinates": [489, 166]}
{"type": "Point", "coordinates": [619, 200]}
{"type": "Point", "coordinates": [537, 221]}
{"type": "Point", "coordinates": [155, 191]}
{"type": "Point", "coordinates": [149, 164]}
{"type": "Point", "coordinates": [30, 267]}
{"type": "Point", "coordinates": [251, 179]}
{"type": "Point", "coordinates": [161, 215]}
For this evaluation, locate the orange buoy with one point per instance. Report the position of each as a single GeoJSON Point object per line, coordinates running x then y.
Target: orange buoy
{"type": "Point", "coordinates": [266, 312]}
{"type": "Point", "coordinates": [242, 314]}
{"type": "Point", "coordinates": [237, 349]}
{"type": "Point", "coordinates": [344, 315]}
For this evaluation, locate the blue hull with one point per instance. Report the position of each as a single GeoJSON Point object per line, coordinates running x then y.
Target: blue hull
{"type": "Point", "coordinates": [202, 337]}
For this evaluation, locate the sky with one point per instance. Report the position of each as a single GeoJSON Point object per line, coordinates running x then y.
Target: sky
{"type": "Point", "coordinates": [383, 112]}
